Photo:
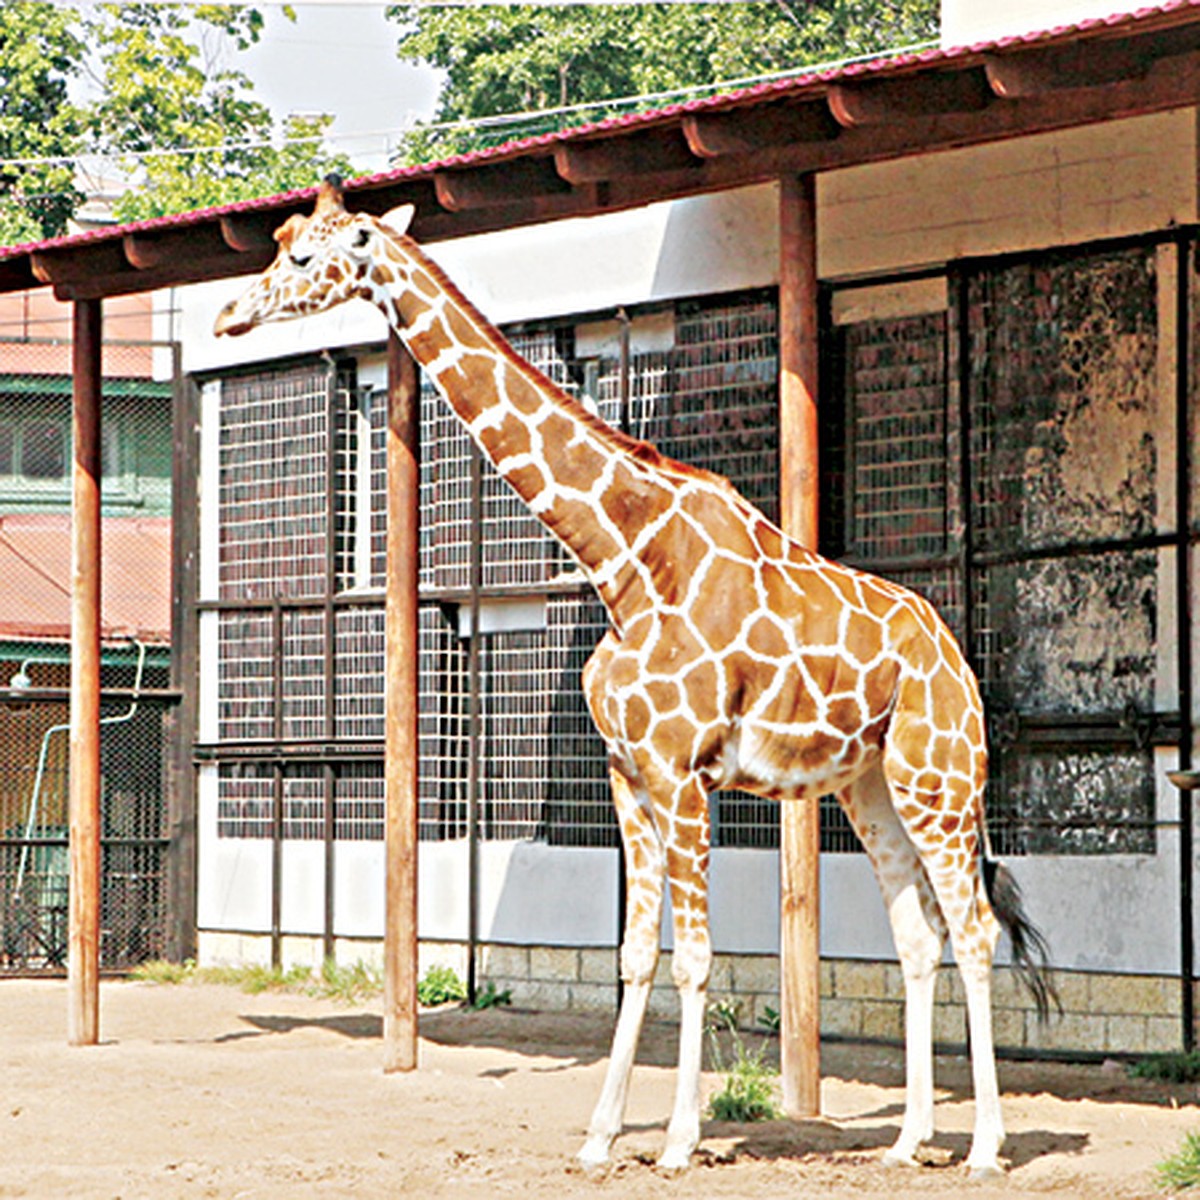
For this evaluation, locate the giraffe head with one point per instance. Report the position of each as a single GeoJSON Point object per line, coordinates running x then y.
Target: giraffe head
{"type": "Point", "coordinates": [324, 259]}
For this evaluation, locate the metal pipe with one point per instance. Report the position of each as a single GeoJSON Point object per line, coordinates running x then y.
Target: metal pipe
{"type": "Point", "coordinates": [473, 721]}
{"type": "Point", "coordinates": [625, 363]}
{"type": "Point", "coordinates": [43, 753]}
{"type": "Point", "coordinates": [278, 696]}
{"type": "Point", "coordinates": [968, 561]}
{"type": "Point", "coordinates": [329, 688]}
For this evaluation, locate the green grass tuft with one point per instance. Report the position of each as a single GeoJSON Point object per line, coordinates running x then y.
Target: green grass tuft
{"type": "Point", "coordinates": [489, 996]}
{"type": "Point", "coordinates": [1169, 1068]}
{"type": "Point", "coordinates": [749, 1090]}
{"type": "Point", "coordinates": [770, 1019]}
{"type": "Point", "coordinates": [440, 985]}
{"type": "Point", "coordinates": [160, 971]}
{"type": "Point", "coordinates": [350, 984]}
{"type": "Point", "coordinates": [1181, 1170]}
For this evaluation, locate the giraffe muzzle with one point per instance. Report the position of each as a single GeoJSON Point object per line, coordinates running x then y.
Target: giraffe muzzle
{"type": "Point", "coordinates": [229, 323]}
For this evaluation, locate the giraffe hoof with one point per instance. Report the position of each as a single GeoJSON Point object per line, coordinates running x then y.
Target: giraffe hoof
{"type": "Point", "coordinates": [670, 1165]}
{"type": "Point", "coordinates": [985, 1173]}
{"type": "Point", "coordinates": [897, 1158]}
{"type": "Point", "coordinates": [593, 1155]}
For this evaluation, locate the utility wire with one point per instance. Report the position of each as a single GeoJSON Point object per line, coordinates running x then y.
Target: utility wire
{"type": "Point", "coordinates": [495, 121]}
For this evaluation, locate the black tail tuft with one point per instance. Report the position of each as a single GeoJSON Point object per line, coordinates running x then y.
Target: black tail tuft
{"type": "Point", "coordinates": [1030, 951]}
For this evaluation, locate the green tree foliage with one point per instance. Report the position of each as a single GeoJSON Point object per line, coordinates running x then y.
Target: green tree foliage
{"type": "Point", "coordinates": [165, 88]}
{"type": "Point", "coordinates": [503, 60]}
{"type": "Point", "coordinates": [39, 52]}
{"type": "Point", "coordinates": [165, 110]}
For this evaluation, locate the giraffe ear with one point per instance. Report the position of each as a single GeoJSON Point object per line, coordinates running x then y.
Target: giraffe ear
{"type": "Point", "coordinates": [285, 235]}
{"type": "Point", "coordinates": [399, 219]}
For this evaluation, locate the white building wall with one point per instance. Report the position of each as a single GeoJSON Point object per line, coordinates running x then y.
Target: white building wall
{"type": "Point", "coordinates": [663, 251]}
{"type": "Point", "coordinates": [967, 22]}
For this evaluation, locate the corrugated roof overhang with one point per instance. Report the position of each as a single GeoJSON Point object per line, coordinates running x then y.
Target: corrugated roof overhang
{"type": "Point", "coordinates": [1143, 62]}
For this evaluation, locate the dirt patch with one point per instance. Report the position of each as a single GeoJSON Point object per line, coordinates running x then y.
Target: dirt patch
{"type": "Point", "coordinates": [203, 1091]}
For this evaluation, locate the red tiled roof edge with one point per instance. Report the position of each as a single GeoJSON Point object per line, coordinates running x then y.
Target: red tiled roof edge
{"type": "Point", "coordinates": [898, 63]}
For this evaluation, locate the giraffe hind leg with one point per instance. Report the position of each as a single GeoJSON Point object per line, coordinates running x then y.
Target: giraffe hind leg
{"type": "Point", "coordinates": [954, 870]}
{"type": "Point", "coordinates": [919, 932]}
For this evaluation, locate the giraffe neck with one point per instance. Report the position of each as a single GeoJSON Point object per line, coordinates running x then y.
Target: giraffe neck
{"type": "Point", "coordinates": [596, 490]}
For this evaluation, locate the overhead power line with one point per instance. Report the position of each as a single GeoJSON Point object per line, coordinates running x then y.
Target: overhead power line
{"type": "Point", "coordinates": [494, 121]}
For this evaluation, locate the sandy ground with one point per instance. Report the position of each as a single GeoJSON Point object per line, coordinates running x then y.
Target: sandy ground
{"type": "Point", "coordinates": [203, 1091]}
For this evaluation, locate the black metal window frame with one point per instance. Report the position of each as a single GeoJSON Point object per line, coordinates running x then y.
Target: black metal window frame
{"type": "Point", "coordinates": [1012, 733]}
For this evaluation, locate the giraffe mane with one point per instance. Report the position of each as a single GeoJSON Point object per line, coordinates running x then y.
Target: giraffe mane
{"type": "Point", "coordinates": [640, 450]}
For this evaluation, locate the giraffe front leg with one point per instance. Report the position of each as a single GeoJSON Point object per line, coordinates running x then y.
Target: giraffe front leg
{"type": "Point", "coordinates": [609, 1112]}
{"type": "Point", "coordinates": [645, 866]}
{"type": "Point", "coordinates": [683, 1132]}
{"type": "Point", "coordinates": [687, 867]}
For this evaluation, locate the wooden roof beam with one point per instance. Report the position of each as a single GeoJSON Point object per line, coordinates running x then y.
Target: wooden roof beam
{"type": "Point", "coordinates": [250, 233]}
{"type": "Point", "coordinates": [886, 101]}
{"type": "Point", "coordinates": [599, 160]}
{"type": "Point", "coordinates": [143, 262]}
{"type": "Point", "coordinates": [460, 189]}
{"type": "Point", "coordinates": [765, 127]}
{"type": "Point", "coordinates": [68, 267]}
{"type": "Point", "coordinates": [147, 250]}
{"type": "Point", "coordinates": [16, 274]}
{"type": "Point", "coordinates": [1036, 73]}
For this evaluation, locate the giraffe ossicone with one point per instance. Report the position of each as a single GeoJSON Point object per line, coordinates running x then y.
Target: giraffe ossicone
{"type": "Point", "coordinates": [736, 658]}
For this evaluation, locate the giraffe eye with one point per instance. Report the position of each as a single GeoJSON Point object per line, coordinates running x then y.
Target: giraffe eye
{"type": "Point", "coordinates": [361, 238]}
{"type": "Point", "coordinates": [300, 260]}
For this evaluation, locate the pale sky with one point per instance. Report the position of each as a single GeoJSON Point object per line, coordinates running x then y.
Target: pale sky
{"type": "Point", "coordinates": [340, 58]}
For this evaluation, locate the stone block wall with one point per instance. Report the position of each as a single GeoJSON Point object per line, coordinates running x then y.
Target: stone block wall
{"type": "Point", "coordinates": [1102, 1013]}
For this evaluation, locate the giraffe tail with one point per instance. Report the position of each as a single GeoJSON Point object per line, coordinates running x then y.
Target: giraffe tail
{"type": "Point", "coordinates": [1030, 950]}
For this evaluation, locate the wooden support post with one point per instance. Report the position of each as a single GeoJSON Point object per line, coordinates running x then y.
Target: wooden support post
{"type": "Point", "coordinates": [83, 921]}
{"type": "Point", "coordinates": [400, 753]}
{"type": "Point", "coordinates": [799, 843]}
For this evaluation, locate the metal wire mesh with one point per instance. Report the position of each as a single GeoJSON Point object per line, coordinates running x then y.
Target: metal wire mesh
{"type": "Point", "coordinates": [35, 496]}
{"type": "Point", "coordinates": [898, 500]}
{"type": "Point", "coordinates": [542, 767]}
{"type": "Point", "coordinates": [1064, 396]}
{"type": "Point", "coordinates": [304, 794]}
{"type": "Point", "coordinates": [246, 676]}
{"type": "Point", "coordinates": [1060, 400]}
{"type": "Point", "coordinates": [1064, 388]}
{"type": "Point", "coordinates": [302, 711]}
{"type": "Point", "coordinates": [358, 683]}
{"type": "Point", "coordinates": [245, 800]}
{"type": "Point", "coordinates": [274, 450]}
{"type": "Point", "coordinates": [359, 802]}
{"type": "Point", "coordinates": [518, 552]}
{"type": "Point", "coordinates": [711, 400]}
{"type": "Point", "coordinates": [33, 815]}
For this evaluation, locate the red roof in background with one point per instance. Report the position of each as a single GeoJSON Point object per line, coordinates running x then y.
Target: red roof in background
{"type": "Point", "coordinates": [816, 80]}
{"type": "Point", "coordinates": [35, 566]}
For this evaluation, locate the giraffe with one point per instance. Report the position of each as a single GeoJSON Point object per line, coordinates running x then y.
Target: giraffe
{"type": "Point", "coordinates": [735, 659]}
